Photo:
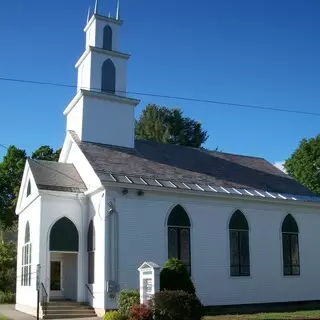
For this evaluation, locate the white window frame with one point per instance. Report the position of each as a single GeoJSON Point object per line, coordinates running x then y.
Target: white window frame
{"type": "Point", "coordinates": [26, 264]}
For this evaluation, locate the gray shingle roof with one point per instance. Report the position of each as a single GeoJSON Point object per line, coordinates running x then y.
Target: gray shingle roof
{"type": "Point", "coordinates": [51, 175]}
{"type": "Point", "coordinates": [165, 162]}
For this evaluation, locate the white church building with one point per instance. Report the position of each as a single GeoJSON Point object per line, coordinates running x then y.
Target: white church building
{"type": "Point", "coordinates": [246, 231]}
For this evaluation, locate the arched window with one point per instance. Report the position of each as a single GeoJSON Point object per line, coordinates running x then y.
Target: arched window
{"type": "Point", "coordinates": [91, 248]}
{"type": "Point", "coordinates": [179, 236]}
{"type": "Point", "coordinates": [239, 245]}
{"type": "Point", "coordinates": [26, 258]}
{"type": "Point", "coordinates": [290, 246]}
{"type": "Point", "coordinates": [108, 77]}
{"type": "Point", "coordinates": [107, 38]}
{"type": "Point", "coordinates": [28, 188]}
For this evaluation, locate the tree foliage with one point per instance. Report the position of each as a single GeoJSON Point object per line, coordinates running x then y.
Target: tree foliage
{"type": "Point", "coordinates": [11, 171]}
{"type": "Point", "coordinates": [304, 164]}
{"type": "Point", "coordinates": [166, 125]}
{"type": "Point", "coordinates": [7, 266]}
{"type": "Point", "coordinates": [46, 153]}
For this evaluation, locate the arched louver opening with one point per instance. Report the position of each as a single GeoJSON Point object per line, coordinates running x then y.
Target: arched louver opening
{"type": "Point", "coordinates": [107, 38]}
{"type": "Point", "coordinates": [108, 77]}
{"type": "Point", "coordinates": [28, 188]}
{"type": "Point", "coordinates": [239, 245]}
{"type": "Point", "coordinates": [179, 236]}
{"type": "Point", "coordinates": [91, 248]}
{"type": "Point", "coordinates": [290, 246]}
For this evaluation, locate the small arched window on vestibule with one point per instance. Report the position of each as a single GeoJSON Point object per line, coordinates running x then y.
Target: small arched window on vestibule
{"type": "Point", "coordinates": [108, 79]}
{"type": "Point", "coordinates": [179, 236]}
{"type": "Point", "coordinates": [239, 245]}
{"type": "Point", "coordinates": [290, 247]}
{"type": "Point", "coordinates": [107, 38]}
{"type": "Point", "coordinates": [26, 258]}
{"type": "Point", "coordinates": [91, 249]}
{"type": "Point", "coordinates": [28, 188]}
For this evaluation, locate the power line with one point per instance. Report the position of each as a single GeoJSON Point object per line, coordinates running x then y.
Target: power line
{"type": "Point", "coordinates": [231, 104]}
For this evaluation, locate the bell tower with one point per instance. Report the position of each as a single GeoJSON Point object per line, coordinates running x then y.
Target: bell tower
{"type": "Point", "coordinates": [101, 111]}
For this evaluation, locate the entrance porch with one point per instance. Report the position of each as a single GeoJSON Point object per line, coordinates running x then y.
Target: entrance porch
{"type": "Point", "coordinates": [64, 263]}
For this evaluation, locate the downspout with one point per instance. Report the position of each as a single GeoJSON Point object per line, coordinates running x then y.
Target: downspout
{"type": "Point", "coordinates": [113, 256]}
{"type": "Point", "coordinates": [116, 246]}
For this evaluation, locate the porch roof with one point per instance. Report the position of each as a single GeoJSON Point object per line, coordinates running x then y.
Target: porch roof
{"type": "Point", "coordinates": [51, 175]}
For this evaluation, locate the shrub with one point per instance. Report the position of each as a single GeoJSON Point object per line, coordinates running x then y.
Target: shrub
{"type": "Point", "coordinates": [7, 297]}
{"type": "Point", "coordinates": [140, 312]}
{"type": "Point", "coordinates": [113, 315]}
{"type": "Point", "coordinates": [127, 299]}
{"type": "Point", "coordinates": [174, 276]}
{"type": "Point", "coordinates": [176, 305]}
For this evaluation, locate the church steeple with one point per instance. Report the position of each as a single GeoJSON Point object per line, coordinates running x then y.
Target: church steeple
{"type": "Point", "coordinates": [101, 111]}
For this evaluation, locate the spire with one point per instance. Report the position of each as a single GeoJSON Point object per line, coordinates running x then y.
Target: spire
{"type": "Point", "coordinates": [96, 7]}
{"type": "Point", "coordinates": [118, 10]}
{"type": "Point", "coordinates": [88, 16]}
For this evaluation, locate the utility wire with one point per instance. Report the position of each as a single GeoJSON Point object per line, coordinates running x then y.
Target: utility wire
{"type": "Point", "coordinates": [231, 104]}
{"type": "Point", "coordinates": [3, 146]}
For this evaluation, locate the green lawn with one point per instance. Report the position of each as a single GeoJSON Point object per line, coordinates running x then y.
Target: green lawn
{"type": "Point", "coordinates": [301, 315]}
{"type": "Point", "coordinates": [3, 318]}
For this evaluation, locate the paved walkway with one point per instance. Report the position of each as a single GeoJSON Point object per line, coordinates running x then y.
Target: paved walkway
{"type": "Point", "coordinates": [8, 311]}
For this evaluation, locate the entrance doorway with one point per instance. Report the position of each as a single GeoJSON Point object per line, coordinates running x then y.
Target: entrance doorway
{"type": "Point", "coordinates": [63, 263]}
{"type": "Point", "coordinates": [56, 279]}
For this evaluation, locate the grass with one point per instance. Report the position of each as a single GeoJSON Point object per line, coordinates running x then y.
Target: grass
{"type": "Point", "coordinates": [3, 318]}
{"type": "Point", "coordinates": [306, 314]}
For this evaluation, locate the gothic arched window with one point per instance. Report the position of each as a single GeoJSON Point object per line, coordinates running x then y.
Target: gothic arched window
{"type": "Point", "coordinates": [108, 81]}
{"type": "Point", "coordinates": [179, 236]}
{"type": "Point", "coordinates": [26, 258]}
{"type": "Point", "coordinates": [107, 38]}
{"type": "Point", "coordinates": [239, 245]}
{"type": "Point", "coordinates": [290, 246]}
{"type": "Point", "coordinates": [28, 188]}
{"type": "Point", "coordinates": [91, 248]}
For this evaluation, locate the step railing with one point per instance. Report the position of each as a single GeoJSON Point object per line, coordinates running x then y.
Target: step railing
{"type": "Point", "coordinates": [44, 299]}
{"type": "Point", "coordinates": [90, 291]}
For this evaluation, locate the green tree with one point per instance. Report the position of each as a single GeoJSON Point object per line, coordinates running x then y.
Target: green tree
{"type": "Point", "coordinates": [304, 164]}
{"type": "Point", "coordinates": [7, 266]}
{"type": "Point", "coordinates": [46, 153]}
{"type": "Point", "coordinates": [166, 125]}
{"type": "Point", "coordinates": [11, 170]}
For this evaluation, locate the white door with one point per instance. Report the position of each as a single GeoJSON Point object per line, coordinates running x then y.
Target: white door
{"type": "Point", "coordinates": [56, 279]}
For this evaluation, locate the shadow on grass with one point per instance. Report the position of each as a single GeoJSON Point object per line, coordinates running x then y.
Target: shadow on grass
{"type": "Point", "coordinates": [263, 308]}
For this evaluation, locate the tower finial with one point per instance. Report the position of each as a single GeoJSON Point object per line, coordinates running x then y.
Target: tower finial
{"type": "Point", "coordinates": [88, 16]}
{"type": "Point", "coordinates": [96, 7]}
{"type": "Point", "coordinates": [118, 10]}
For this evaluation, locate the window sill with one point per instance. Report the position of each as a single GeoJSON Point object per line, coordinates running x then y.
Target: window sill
{"type": "Point", "coordinates": [240, 277]}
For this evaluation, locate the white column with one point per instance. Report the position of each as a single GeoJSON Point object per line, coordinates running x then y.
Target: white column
{"type": "Point", "coordinates": [82, 264]}
{"type": "Point", "coordinates": [81, 277]}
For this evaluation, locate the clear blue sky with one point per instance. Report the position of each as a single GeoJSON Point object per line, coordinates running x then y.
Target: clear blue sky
{"type": "Point", "coordinates": [262, 52]}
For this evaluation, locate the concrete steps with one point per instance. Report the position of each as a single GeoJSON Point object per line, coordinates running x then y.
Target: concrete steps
{"type": "Point", "coordinates": [68, 310]}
